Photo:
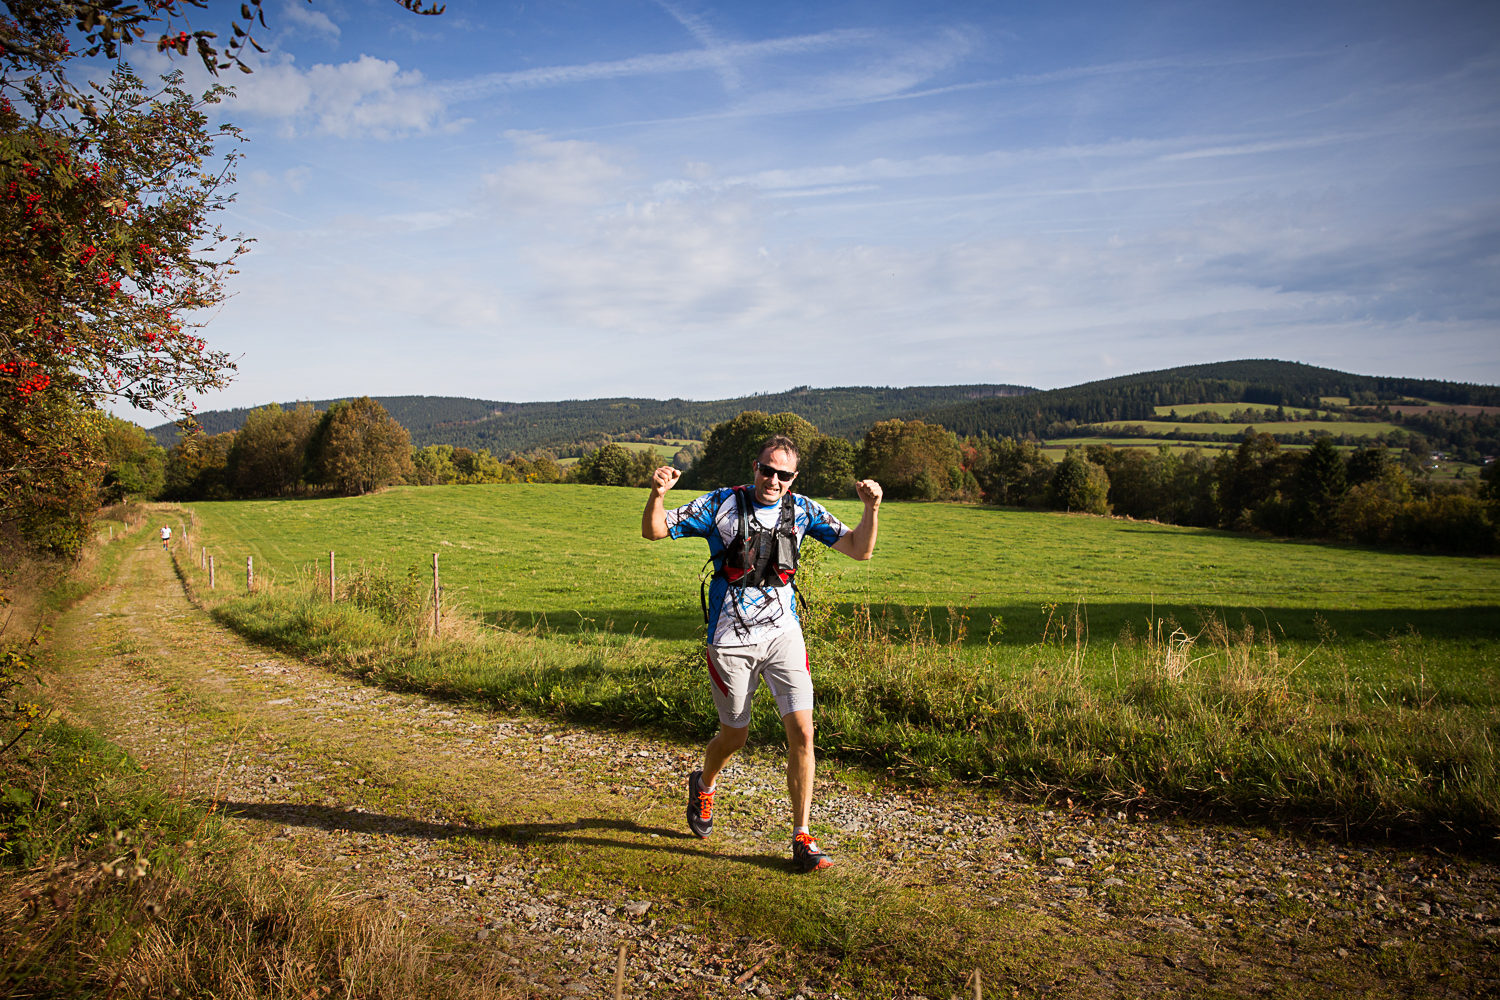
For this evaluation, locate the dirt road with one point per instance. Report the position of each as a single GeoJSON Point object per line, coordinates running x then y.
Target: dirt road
{"type": "Point", "coordinates": [549, 844]}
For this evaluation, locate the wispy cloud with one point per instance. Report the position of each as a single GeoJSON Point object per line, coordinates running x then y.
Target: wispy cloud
{"type": "Point", "coordinates": [1268, 146]}
{"type": "Point", "coordinates": [700, 29]}
{"type": "Point", "coordinates": [646, 65]}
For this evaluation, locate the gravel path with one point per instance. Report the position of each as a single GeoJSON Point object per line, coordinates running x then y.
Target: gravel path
{"type": "Point", "coordinates": [458, 820]}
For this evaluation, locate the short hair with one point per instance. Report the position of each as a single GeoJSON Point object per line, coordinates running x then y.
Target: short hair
{"type": "Point", "coordinates": [779, 442]}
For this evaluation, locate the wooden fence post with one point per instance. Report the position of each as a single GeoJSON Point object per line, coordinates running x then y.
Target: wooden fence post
{"type": "Point", "coordinates": [436, 595]}
{"type": "Point", "coordinates": [250, 574]}
{"type": "Point", "coordinates": [211, 573]}
{"type": "Point", "coordinates": [620, 974]}
{"type": "Point", "coordinates": [330, 576]}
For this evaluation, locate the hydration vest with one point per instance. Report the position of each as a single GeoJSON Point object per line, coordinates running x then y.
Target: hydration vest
{"type": "Point", "coordinates": [759, 556]}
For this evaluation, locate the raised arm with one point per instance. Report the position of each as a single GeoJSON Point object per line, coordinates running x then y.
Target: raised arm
{"type": "Point", "coordinates": [654, 518]}
{"type": "Point", "coordinates": [860, 543]}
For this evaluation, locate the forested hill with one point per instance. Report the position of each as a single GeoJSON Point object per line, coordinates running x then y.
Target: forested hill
{"type": "Point", "coordinates": [504, 427]}
{"type": "Point", "coordinates": [1000, 410]}
{"type": "Point", "coordinates": [1135, 397]}
{"type": "Point", "coordinates": [410, 412]}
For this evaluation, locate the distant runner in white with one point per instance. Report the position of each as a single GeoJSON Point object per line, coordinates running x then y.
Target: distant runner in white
{"type": "Point", "coordinates": [754, 536]}
{"type": "Point", "coordinates": [166, 538]}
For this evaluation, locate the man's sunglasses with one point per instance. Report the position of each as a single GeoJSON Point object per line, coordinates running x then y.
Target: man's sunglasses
{"type": "Point", "coordinates": [768, 472]}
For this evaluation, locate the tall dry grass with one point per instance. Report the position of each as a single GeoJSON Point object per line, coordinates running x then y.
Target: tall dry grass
{"type": "Point", "coordinates": [1207, 715]}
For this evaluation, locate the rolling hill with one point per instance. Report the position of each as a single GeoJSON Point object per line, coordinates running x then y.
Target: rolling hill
{"type": "Point", "coordinates": [998, 410]}
{"type": "Point", "coordinates": [505, 427]}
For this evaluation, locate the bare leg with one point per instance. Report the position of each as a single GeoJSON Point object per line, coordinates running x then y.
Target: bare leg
{"type": "Point", "coordinates": [799, 764]}
{"type": "Point", "coordinates": [720, 749]}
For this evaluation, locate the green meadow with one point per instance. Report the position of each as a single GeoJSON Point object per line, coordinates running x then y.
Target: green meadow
{"type": "Point", "coordinates": [1040, 652]}
{"type": "Point", "coordinates": [1223, 409]}
{"type": "Point", "coordinates": [666, 451]}
{"type": "Point", "coordinates": [568, 555]}
{"type": "Point", "coordinates": [1353, 428]}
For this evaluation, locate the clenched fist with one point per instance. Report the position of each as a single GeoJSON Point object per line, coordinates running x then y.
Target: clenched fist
{"type": "Point", "coordinates": [869, 491]}
{"type": "Point", "coordinates": [664, 479]}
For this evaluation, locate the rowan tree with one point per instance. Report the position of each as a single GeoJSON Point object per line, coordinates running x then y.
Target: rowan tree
{"type": "Point", "coordinates": [45, 35]}
{"type": "Point", "coordinates": [107, 254]}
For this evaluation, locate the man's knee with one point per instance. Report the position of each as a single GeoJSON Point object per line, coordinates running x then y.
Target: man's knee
{"type": "Point", "coordinates": [732, 738]}
{"type": "Point", "coordinates": [799, 730]}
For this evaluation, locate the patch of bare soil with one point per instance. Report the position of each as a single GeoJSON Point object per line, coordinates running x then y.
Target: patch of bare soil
{"type": "Point", "coordinates": [484, 829]}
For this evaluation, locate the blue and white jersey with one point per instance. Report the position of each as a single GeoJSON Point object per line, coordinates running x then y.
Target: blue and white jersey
{"type": "Point", "coordinates": [740, 616]}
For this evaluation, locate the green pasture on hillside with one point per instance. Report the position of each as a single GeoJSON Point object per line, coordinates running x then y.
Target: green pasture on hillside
{"type": "Point", "coordinates": [1354, 428]}
{"type": "Point", "coordinates": [572, 557]}
{"type": "Point", "coordinates": [1209, 448]}
{"type": "Point", "coordinates": [1223, 409]}
{"type": "Point", "coordinates": [666, 451]}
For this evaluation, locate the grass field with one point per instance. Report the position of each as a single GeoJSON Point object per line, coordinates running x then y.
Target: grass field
{"type": "Point", "coordinates": [1025, 649]}
{"type": "Point", "coordinates": [1223, 409]}
{"type": "Point", "coordinates": [568, 554]}
{"type": "Point", "coordinates": [1354, 428]}
{"type": "Point", "coordinates": [1208, 448]}
{"type": "Point", "coordinates": [1057, 446]}
{"type": "Point", "coordinates": [666, 451]}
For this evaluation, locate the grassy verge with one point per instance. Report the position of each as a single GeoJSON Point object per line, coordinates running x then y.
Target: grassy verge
{"type": "Point", "coordinates": [1206, 716]}
{"type": "Point", "coordinates": [120, 887]}
{"type": "Point", "coordinates": [125, 890]}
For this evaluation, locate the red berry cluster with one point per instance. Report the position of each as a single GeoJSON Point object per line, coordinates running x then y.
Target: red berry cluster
{"type": "Point", "coordinates": [35, 383]}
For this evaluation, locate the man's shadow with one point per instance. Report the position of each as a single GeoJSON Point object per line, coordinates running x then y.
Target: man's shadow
{"type": "Point", "coordinates": [516, 834]}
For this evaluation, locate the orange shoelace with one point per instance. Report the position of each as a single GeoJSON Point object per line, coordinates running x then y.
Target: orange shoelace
{"type": "Point", "coordinates": [805, 839]}
{"type": "Point", "coordinates": [706, 803]}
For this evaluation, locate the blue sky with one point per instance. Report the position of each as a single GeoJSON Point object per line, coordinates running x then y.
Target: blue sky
{"type": "Point", "coordinates": [578, 199]}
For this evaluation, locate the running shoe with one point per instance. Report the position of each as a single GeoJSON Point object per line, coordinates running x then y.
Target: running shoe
{"type": "Point", "coordinates": [807, 855]}
{"type": "Point", "coordinates": [700, 807]}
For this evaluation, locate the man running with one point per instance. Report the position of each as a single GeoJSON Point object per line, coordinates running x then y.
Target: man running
{"type": "Point", "coordinates": [166, 537]}
{"type": "Point", "coordinates": [753, 631]}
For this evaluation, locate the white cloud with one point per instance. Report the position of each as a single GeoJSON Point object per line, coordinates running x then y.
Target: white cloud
{"type": "Point", "coordinates": [555, 173]}
{"type": "Point", "coordinates": [688, 261]}
{"type": "Point", "coordinates": [366, 96]}
{"type": "Point", "coordinates": [311, 20]}
{"type": "Point", "coordinates": [296, 178]}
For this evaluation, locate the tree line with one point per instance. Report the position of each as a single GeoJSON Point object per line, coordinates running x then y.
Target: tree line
{"type": "Point", "coordinates": [1371, 495]}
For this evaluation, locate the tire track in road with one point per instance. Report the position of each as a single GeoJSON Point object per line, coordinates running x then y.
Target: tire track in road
{"type": "Point", "coordinates": [461, 820]}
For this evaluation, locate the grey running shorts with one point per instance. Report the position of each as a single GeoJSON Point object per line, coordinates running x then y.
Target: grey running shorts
{"type": "Point", "coordinates": [734, 672]}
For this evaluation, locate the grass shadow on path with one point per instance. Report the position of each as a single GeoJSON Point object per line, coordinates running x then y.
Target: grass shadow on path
{"type": "Point", "coordinates": [515, 834]}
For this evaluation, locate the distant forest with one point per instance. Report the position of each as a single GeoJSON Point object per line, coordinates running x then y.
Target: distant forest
{"type": "Point", "coordinates": [576, 426]}
{"type": "Point", "coordinates": [570, 428]}
{"type": "Point", "coordinates": [1056, 413]}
